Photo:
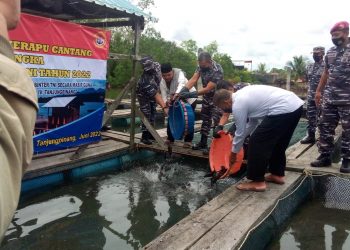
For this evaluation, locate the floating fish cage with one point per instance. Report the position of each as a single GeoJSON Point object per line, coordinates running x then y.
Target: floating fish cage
{"type": "Point", "coordinates": [333, 191]}
{"type": "Point", "coordinates": [113, 163]}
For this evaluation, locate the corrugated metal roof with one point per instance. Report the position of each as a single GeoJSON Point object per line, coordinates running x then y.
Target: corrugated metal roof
{"type": "Point", "coordinates": [59, 102]}
{"type": "Point", "coordinates": [121, 5]}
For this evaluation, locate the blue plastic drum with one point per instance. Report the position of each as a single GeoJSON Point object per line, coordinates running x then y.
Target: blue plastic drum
{"type": "Point", "coordinates": [181, 119]}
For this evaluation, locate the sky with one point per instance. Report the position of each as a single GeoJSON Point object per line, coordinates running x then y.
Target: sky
{"type": "Point", "coordinates": [264, 31]}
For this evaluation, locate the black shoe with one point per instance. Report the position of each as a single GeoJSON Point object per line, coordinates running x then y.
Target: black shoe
{"type": "Point", "coordinates": [145, 138]}
{"type": "Point", "coordinates": [106, 127]}
{"type": "Point", "coordinates": [202, 144]}
{"type": "Point", "coordinates": [206, 151]}
{"type": "Point", "coordinates": [322, 161]}
{"type": "Point", "coordinates": [345, 166]}
{"type": "Point", "coordinates": [309, 139]}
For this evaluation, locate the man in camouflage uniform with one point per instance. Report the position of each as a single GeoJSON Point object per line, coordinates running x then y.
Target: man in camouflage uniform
{"type": "Point", "coordinates": [313, 76]}
{"type": "Point", "coordinates": [148, 95]}
{"type": "Point", "coordinates": [210, 72]}
{"type": "Point", "coordinates": [336, 99]}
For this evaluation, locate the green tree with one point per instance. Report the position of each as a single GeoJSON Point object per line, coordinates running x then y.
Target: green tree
{"type": "Point", "coordinates": [190, 46]}
{"type": "Point", "coordinates": [212, 48]}
{"type": "Point", "coordinates": [226, 63]}
{"type": "Point", "coordinates": [297, 66]}
{"type": "Point", "coordinates": [262, 69]}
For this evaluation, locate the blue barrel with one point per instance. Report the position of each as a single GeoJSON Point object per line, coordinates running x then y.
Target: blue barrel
{"type": "Point", "coordinates": [181, 119]}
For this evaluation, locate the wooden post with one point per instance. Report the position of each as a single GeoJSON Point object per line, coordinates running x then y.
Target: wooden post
{"type": "Point", "coordinates": [133, 89]}
{"type": "Point", "coordinates": [288, 78]}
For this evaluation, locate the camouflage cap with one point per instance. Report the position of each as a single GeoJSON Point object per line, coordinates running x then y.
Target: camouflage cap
{"type": "Point", "coordinates": [318, 49]}
{"type": "Point", "coordinates": [343, 25]}
{"type": "Point", "coordinates": [147, 63]}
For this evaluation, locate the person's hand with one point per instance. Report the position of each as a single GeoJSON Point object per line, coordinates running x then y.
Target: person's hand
{"type": "Point", "coordinates": [232, 161]}
{"type": "Point", "coordinates": [233, 158]}
{"type": "Point", "coordinates": [216, 131]}
{"type": "Point", "coordinates": [186, 95]}
{"type": "Point", "coordinates": [166, 111]}
{"type": "Point", "coordinates": [232, 129]}
{"type": "Point", "coordinates": [184, 90]}
{"type": "Point", "coordinates": [318, 97]}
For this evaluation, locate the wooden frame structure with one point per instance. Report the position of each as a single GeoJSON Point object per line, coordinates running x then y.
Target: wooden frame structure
{"type": "Point", "coordinates": [102, 14]}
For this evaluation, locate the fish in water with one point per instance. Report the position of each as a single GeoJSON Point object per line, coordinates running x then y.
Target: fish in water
{"type": "Point", "coordinates": [216, 175]}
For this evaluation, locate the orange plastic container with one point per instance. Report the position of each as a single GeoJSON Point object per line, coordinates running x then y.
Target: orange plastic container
{"type": "Point", "coordinates": [220, 154]}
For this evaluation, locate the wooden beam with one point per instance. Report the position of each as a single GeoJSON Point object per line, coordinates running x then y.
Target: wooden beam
{"type": "Point", "coordinates": [116, 56]}
{"type": "Point", "coordinates": [137, 33]}
{"type": "Point", "coordinates": [150, 128]}
{"type": "Point", "coordinates": [117, 101]}
{"type": "Point", "coordinates": [107, 115]}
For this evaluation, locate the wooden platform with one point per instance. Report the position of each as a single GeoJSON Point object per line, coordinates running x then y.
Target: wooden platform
{"type": "Point", "coordinates": [126, 113]}
{"type": "Point", "coordinates": [112, 143]}
{"type": "Point", "coordinates": [224, 222]}
{"type": "Point", "coordinates": [58, 161]}
{"type": "Point", "coordinates": [300, 155]}
{"type": "Point", "coordinates": [176, 148]}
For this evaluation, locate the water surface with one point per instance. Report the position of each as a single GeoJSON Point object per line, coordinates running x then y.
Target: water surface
{"type": "Point", "coordinates": [119, 210]}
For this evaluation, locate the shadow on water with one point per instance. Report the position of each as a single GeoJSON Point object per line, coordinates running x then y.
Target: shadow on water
{"type": "Point", "coordinates": [121, 210]}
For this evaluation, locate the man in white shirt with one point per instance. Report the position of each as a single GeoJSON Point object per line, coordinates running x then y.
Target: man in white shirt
{"type": "Point", "coordinates": [279, 111]}
{"type": "Point", "coordinates": [173, 80]}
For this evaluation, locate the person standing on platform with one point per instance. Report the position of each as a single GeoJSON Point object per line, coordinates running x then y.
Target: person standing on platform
{"type": "Point", "coordinates": [173, 80]}
{"type": "Point", "coordinates": [313, 76]}
{"type": "Point", "coordinates": [335, 82]}
{"type": "Point", "coordinates": [210, 72]}
{"type": "Point", "coordinates": [148, 95]}
{"type": "Point", "coordinates": [18, 102]}
{"type": "Point", "coordinates": [279, 111]}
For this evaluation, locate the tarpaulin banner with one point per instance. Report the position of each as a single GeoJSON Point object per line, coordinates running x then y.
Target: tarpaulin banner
{"type": "Point", "coordinates": [68, 64]}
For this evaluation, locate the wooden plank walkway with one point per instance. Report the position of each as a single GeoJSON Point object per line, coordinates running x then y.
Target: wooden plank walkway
{"type": "Point", "coordinates": [112, 143]}
{"type": "Point", "coordinates": [59, 161]}
{"type": "Point", "coordinates": [126, 113]}
{"type": "Point", "coordinates": [299, 157]}
{"type": "Point", "coordinates": [176, 148]}
{"type": "Point", "coordinates": [224, 222]}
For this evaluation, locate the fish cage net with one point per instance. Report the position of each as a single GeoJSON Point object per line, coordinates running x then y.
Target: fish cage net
{"type": "Point", "coordinates": [332, 191]}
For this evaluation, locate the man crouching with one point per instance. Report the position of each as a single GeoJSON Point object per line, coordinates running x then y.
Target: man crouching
{"type": "Point", "coordinates": [279, 111]}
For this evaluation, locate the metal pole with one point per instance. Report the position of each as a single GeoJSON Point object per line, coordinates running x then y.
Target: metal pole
{"type": "Point", "coordinates": [133, 89]}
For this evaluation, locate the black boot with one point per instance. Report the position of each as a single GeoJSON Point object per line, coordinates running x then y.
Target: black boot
{"type": "Point", "coordinates": [309, 139]}
{"type": "Point", "coordinates": [145, 138]}
{"type": "Point", "coordinates": [202, 144]}
{"type": "Point", "coordinates": [324, 160]}
{"type": "Point", "coordinates": [345, 166]}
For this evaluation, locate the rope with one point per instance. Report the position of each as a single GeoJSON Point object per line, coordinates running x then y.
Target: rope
{"type": "Point", "coordinates": [307, 174]}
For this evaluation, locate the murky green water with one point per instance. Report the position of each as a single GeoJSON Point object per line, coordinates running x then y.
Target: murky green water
{"type": "Point", "coordinates": [315, 226]}
{"type": "Point", "coordinates": [119, 210]}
